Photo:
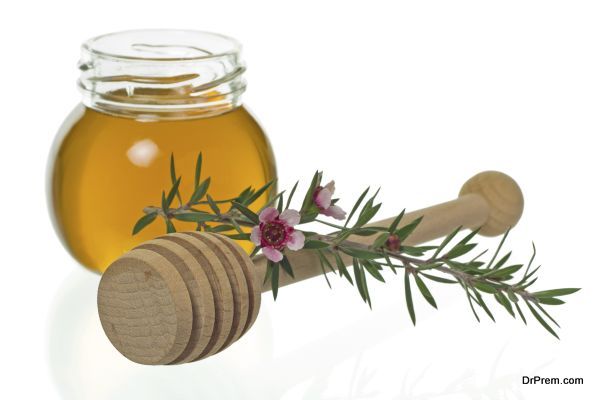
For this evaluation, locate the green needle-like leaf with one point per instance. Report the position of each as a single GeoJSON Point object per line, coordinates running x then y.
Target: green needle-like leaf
{"type": "Point", "coordinates": [380, 241]}
{"type": "Point", "coordinates": [367, 211]}
{"type": "Point", "coordinates": [539, 306]}
{"type": "Point", "coordinates": [356, 205]}
{"type": "Point", "coordinates": [342, 268]}
{"type": "Point", "coordinates": [503, 272]}
{"type": "Point", "coordinates": [459, 250]}
{"type": "Point", "coordinates": [470, 236]}
{"type": "Point", "coordinates": [498, 248]}
{"type": "Point", "coordinates": [259, 193]}
{"type": "Point", "coordinates": [254, 253]}
{"type": "Point", "coordinates": [447, 240]}
{"type": "Point", "coordinates": [389, 263]}
{"type": "Point", "coordinates": [433, 265]}
{"type": "Point", "coordinates": [213, 205]}
{"type": "Point", "coordinates": [437, 278]}
{"type": "Point", "coordinates": [275, 280]}
{"type": "Point", "coordinates": [291, 196]}
{"type": "Point", "coordinates": [244, 195]}
{"type": "Point", "coordinates": [406, 230]}
{"type": "Point", "coordinates": [551, 301]}
{"type": "Point", "coordinates": [425, 291]}
{"type": "Point", "coordinates": [502, 261]}
{"type": "Point", "coordinates": [174, 177]}
{"type": "Point", "coordinates": [237, 226]}
{"type": "Point", "coordinates": [477, 257]}
{"type": "Point", "coordinates": [285, 264]}
{"type": "Point", "coordinates": [541, 320]}
{"type": "Point", "coordinates": [409, 301]}
{"type": "Point", "coordinates": [170, 226]}
{"type": "Point", "coordinates": [273, 200]}
{"type": "Point", "coordinates": [367, 214]}
{"type": "Point", "coordinates": [526, 285]}
{"type": "Point", "coordinates": [417, 251]}
{"type": "Point", "coordinates": [198, 170]}
{"type": "Point", "coordinates": [372, 270]}
{"type": "Point", "coordinates": [163, 202]}
{"type": "Point", "coordinates": [315, 244]}
{"type": "Point", "coordinates": [511, 295]}
{"type": "Point", "coordinates": [200, 191]}
{"type": "Point", "coordinates": [251, 215]}
{"type": "Point", "coordinates": [485, 287]}
{"type": "Point", "coordinates": [470, 299]}
{"type": "Point", "coordinates": [239, 236]}
{"type": "Point", "coordinates": [520, 313]}
{"type": "Point", "coordinates": [505, 302]}
{"type": "Point", "coordinates": [361, 281]}
{"type": "Point", "coordinates": [322, 262]}
{"type": "Point", "coordinates": [394, 225]}
{"type": "Point", "coordinates": [360, 253]}
{"type": "Point", "coordinates": [533, 254]}
{"type": "Point", "coordinates": [194, 217]}
{"type": "Point", "coordinates": [269, 270]}
{"type": "Point", "coordinates": [555, 292]}
{"type": "Point", "coordinates": [483, 305]}
{"type": "Point", "coordinates": [221, 228]}
{"type": "Point", "coordinates": [529, 275]}
{"type": "Point", "coordinates": [473, 308]}
{"type": "Point", "coordinates": [143, 222]}
{"type": "Point", "coordinates": [173, 192]}
{"type": "Point", "coordinates": [325, 261]}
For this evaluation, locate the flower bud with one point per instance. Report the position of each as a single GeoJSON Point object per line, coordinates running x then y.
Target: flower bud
{"type": "Point", "coordinates": [392, 243]}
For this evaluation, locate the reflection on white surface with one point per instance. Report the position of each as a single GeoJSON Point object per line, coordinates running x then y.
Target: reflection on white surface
{"type": "Point", "coordinates": [142, 153]}
{"type": "Point", "coordinates": [345, 363]}
{"type": "Point", "coordinates": [463, 384]}
{"type": "Point", "coordinates": [86, 366]}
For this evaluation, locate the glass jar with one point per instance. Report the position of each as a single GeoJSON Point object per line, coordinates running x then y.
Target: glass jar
{"type": "Point", "coordinates": [148, 94]}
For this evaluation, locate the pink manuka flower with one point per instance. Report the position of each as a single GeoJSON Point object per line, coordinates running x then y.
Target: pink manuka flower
{"type": "Point", "coordinates": [276, 231]}
{"type": "Point", "coordinates": [322, 199]}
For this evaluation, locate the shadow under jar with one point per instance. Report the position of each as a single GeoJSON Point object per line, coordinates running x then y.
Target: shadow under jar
{"type": "Point", "coordinates": [146, 95]}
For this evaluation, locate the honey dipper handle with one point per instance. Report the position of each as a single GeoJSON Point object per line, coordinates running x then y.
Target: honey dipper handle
{"type": "Point", "coordinates": [490, 200]}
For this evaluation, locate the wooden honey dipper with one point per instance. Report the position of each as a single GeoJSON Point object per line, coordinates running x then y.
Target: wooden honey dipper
{"type": "Point", "coordinates": [186, 296]}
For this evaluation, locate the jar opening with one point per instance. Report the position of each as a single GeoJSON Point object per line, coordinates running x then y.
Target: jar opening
{"type": "Point", "coordinates": [162, 45]}
{"type": "Point", "coordinates": [162, 73]}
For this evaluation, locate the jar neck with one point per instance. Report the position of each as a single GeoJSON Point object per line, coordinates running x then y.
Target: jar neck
{"type": "Point", "coordinates": [162, 74]}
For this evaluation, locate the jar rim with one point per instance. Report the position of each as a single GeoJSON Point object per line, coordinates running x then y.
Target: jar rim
{"type": "Point", "coordinates": [162, 73]}
{"type": "Point", "coordinates": [175, 45]}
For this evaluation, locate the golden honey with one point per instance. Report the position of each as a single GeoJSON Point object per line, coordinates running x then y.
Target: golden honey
{"type": "Point", "coordinates": [113, 154]}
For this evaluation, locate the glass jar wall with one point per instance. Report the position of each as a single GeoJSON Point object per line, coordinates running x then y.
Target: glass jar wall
{"type": "Point", "coordinates": [147, 95]}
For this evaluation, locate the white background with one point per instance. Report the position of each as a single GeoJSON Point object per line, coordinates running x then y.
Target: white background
{"type": "Point", "coordinates": [413, 96]}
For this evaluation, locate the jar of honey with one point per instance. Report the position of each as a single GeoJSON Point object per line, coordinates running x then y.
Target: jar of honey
{"type": "Point", "coordinates": [148, 94]}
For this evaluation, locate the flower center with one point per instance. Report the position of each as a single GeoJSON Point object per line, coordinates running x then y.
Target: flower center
{"type": "Point", "coordinates": [274, 234]}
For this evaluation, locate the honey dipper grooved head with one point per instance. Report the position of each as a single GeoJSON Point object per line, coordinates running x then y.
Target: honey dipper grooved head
{"type": "Point", "coordinates": [504, 197]}
{"type": "Point", "coordinates": [178, 298]}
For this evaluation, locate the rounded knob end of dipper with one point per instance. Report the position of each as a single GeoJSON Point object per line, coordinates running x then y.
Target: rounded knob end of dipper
{"type": "Point", "coordinates": [503, 196]}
